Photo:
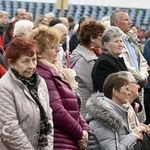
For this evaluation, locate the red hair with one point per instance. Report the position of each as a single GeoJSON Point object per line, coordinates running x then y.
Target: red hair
{"type": "Point", "coordinates": [20, 46]}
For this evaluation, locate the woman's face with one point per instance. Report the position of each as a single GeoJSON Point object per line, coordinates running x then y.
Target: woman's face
{"type": "Point", "coordinates": [4, 19]}
{"type": "Point", "coordinates": [51, 53]}
{"type": "Point", "coordinates": [134, 87]}
{"type": "Point", "coordinates": [121, 97]}
{"type": "Point", "coordinates": [25, 65]}
{"type": "Point", "coordinates": [115, 46]}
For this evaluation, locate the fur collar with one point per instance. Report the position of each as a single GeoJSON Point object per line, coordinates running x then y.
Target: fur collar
{"type": "Point", "coordinates": [103, 109]}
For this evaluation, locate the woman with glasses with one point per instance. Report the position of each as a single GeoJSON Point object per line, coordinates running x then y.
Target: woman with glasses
{"type": "Point", "coordinates": [70, 129]}
{"type": "Point", "coordinates": [108, 119]}
{"type": "Point", "coordinates": [84, 56]}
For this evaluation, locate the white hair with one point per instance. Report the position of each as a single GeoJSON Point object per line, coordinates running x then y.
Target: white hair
{"type": "Point", "coordinates": [22, 27]}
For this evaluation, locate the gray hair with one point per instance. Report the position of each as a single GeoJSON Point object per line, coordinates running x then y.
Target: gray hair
{"type": "Point", "coordinates": [115, 15]}
{"type": "Point", "coordinates": [110, 33]}
{"type": "Point", "coordinates": [22, 27]}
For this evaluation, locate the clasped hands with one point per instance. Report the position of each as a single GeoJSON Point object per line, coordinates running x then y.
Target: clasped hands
{"type": "Point", "coordinates": [142, 128]}
{"type": "Point", "coordinates": [83, 142]}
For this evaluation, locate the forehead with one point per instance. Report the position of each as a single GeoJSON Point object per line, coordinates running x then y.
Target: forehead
{"type": "Point", "coordinates": [22, 11]}
{"type": "Point", "coordinates": [123, 15]}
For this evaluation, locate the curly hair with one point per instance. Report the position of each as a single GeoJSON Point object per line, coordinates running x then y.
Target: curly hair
{"type": "Point", "coordinates": [90, 28]}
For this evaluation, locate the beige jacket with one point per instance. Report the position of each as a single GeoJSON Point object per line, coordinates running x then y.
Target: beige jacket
{"type": "Point", "coordinates": [20, 116]}
{"type": "Point", "coordinates": [142, 73]}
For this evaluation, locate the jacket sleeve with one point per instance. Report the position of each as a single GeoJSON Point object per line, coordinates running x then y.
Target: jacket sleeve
{"type": "Point", "coordinates": [141, 74]}
{"type": "Point", "coordinates": [12, 134]}
{"type": "Point", "coordinates": [108, 139]}
{"type": "Point", "coordinates": [62, 119]}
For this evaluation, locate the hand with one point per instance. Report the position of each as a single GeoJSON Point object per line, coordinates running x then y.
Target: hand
{"type": "Point", "coordinates": [83, 142]}
{"type": "Point", "coordinates": [138, 136]}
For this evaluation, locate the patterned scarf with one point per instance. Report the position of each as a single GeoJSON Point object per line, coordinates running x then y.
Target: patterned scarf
{"type": "Point", "coordinates": [45, 127]}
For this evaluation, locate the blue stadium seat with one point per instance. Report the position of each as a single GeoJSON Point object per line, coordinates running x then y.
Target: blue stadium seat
{"type": "Point", "coordinates": [15, 7]}
{"type": "Point", "coordinates": [47, 8]}
{"type": "Point", "coordinates": [1, 6]}
{"type": "Point", "coordinates": [139, 18]}
{"type": "Point", "coordinates": [86, 10]}
{"type": "Point", "coordinates": [132, 14]}
{"type": "Point", "coordinates": [38, 10]}
{"type": "Point", "coordinates": [101, 13]}
{"type": "Point", "coordinates": [7, 4]}
{"type": "Point", "coordinates": [23, 5]}
{"type": "Point", "coordinates": [31, 6]}
{"type": "Point", "coordinates": [70, 10]}
{"type": "Point", "coordinates": [94, 12]}
{"type": "Point", "coordinates": [147, 17]}
{"type": "Point", "coordinates": [54, 10]}
{"type": "Point", "coordinates": [77, 13]}
{"type": "Point", "coordinates": [110, 9]}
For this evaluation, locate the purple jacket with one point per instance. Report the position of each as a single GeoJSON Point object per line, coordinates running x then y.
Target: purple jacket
{"type": "Point", "coordinates": [68, 123]}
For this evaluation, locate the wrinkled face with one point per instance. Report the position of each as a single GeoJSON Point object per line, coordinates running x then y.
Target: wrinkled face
{"type": "Point", "coordinates": [122, 96]}
{"type": "Point", "coordinates": [4, 19]}
{"type": "Point", "coordinates": [25, 65]}
{"type": "Point", "coordinates": [123, 22]}
{"type": "Point", "coordinates": [21, 15]}
{"type": "Point", "coordinates": [134, 87]}
{"type": "Point", "coordinates": [115, 46]}
{"type": "Point", "coordinates": [50, 53]}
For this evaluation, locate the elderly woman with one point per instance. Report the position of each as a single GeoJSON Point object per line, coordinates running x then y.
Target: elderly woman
{"type": "Point", "coordinates": [26, 118]}
{"type": "Point", "coordinates": [110, 62]}
{"type": "Point", "coordinates": [84, 56]}
{"type": "Point", "coordinates": [108, 120]}
{"type": "Point", "coordinates": [70, 129]}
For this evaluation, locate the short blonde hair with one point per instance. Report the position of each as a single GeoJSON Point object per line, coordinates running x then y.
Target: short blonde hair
{"type": "Point", "coordinates": [45, 37]}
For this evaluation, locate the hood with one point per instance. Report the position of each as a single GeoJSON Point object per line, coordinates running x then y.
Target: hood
{"type": "Point", "coordinates": [79, 52]}
{"type": "Point", "coordinates": [101, 108]}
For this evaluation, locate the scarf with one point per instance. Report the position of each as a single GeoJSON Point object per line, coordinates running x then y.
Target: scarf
{"type": "Point", "coordinates": [32, 84]}
{"type": "Point", "coordinates": [66, 74]}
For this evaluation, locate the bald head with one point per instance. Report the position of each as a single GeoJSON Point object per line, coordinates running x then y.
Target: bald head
{"type": "Point", "coordinates": [63, 31]}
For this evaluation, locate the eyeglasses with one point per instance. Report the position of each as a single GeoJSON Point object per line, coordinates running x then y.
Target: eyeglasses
{"type": "Point", "coordinates": [134, 82]}
{"type": "Point", "coordinates": [55, 47]}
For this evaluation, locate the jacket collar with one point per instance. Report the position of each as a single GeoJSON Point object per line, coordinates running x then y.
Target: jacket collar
{"type": "Point", "coordinates": [105, 110]}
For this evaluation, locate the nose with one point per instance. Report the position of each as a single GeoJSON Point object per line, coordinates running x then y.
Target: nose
{"type": "Point", "coordinates": [32, 64]}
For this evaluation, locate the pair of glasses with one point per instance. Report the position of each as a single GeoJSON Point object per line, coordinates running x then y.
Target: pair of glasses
{"type": "Point", "coordinates": [134, 82]}
{"type": "Point", "coordinates": [55, 46]}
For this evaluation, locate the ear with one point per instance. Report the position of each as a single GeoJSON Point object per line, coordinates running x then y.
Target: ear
{"type": "Point", "coordinates": [92, 39]}
{"type": "Point", "coordinates": [115, 92]}
{"type": "Point", "coordinates": [106, 45]}
{"type": "Point", "coordinates": [10, 64]}
{"type": "Point", "coordinates": [116, 23]}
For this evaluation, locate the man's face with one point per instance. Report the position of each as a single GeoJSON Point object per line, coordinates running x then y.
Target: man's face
{"type": "Point", "coordinates": [123, 22]}
{"type": "Point", "coordinates": [21, 14]}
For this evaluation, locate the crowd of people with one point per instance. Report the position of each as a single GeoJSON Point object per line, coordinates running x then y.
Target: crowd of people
{"type": "Point", "coordinates": [73, 86]}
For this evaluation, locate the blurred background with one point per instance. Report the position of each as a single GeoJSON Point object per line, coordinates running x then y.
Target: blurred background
{"type": "Point", "coordinates": [139, 10]}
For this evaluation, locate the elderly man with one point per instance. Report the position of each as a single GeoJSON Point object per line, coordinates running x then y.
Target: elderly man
{"type": "Point", "coordinates": [133, 58]}
{"type": "Point", "coordinates": [19, 15]}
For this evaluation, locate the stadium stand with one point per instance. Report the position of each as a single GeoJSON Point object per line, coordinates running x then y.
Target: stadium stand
{"type": "Point", "coordinates": [139, 17]}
